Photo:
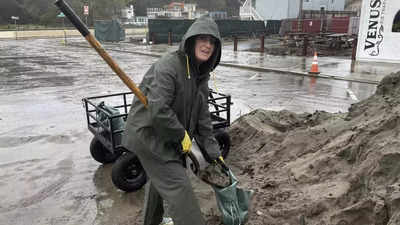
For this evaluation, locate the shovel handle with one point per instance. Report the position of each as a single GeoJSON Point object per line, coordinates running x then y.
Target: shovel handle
{"type": "Point", "coordinates": [82, 28]}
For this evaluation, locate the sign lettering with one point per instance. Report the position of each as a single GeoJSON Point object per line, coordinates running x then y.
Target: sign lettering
{"type": "Point", "coordinates": [374, 33]}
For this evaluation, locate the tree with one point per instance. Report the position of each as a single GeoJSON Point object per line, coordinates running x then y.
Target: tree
{"type": "Point", "coordinates": [44, 11]}
{"type": "Point", "coordinates": [107, 9]}
{"type": "Point", "coordinates": [13, 8]}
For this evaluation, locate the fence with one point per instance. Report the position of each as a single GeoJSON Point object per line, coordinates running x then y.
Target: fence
{"type": "Point", "coordinates": [159, 29]}
{"type": "Point", "coordinates": [331, 25]}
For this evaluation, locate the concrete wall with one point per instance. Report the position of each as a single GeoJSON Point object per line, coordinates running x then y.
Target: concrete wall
{"type": "Point", "coordinates": [57, 33]}
{"type": "Point", "coordinates": [331, 5]}
{"type": "Point", "coordinates": [277, 9]}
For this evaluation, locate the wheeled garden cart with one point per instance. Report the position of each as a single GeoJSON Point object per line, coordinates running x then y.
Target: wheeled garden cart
{"type": "Point", "coordinates": [106, 116]}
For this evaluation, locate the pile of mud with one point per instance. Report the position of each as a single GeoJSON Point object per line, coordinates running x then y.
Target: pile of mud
{"type": "Point", "coordinates": [323, 168]}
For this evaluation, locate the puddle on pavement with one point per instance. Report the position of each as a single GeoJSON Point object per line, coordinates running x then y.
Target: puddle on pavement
{"type": "Point", "coordinates": [8, 142]}
{"type": "Point", "coordinates": [331, 65]}
{"type": "Point", "coordinates": [52, 62]}
{"type": "Point", "coordinates": [31, 83]}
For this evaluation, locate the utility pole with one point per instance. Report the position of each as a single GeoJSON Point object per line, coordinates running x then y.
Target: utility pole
{"type": "Point", "coordinates": [86, 11]}
{"type": "Point", "coordinates": [61, 15]}
{"type": "Point", "coordinates": [16, 29]}
{"type": "Point", "coordinates": [301, 9]}
{"type": "Point", "coordinates": [300, 20]}
{"type": "Point", "coordinates": [92, 6]}
{"type": "Point", "coordinates": [15, 18]}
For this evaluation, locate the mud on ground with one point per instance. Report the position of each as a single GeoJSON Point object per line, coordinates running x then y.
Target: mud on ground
{"type": "Point", "coordinates": [322, 168]}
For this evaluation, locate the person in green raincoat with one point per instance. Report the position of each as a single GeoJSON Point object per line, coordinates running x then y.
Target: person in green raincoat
{"type": "Point", "coordinates": [176, 87]}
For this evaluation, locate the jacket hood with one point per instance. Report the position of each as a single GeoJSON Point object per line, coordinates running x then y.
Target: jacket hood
{"type": "Point", "coordinates": [203, 25]}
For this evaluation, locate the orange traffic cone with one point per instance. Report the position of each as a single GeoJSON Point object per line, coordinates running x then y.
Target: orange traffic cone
{"type": "Point", "coordinates": [314, 66]}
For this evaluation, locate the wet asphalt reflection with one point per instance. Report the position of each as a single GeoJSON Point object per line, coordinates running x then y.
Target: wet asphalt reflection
{"type": "Point", "coordinates": [47, 175]}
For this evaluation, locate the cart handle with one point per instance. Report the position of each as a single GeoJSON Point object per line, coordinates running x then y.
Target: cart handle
{"type": "Point", "coordinates": [82, 28]}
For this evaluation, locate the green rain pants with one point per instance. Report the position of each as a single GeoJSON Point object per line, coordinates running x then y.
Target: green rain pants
{"type": "Point", "coordinates": [168, 181]}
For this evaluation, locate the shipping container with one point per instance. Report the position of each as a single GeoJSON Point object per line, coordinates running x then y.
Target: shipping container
{"type": "Point", "coordinates": [338, 25]}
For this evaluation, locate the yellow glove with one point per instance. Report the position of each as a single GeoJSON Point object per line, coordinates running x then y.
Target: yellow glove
{"type": "Point", "coordinates": [221, 162]}
{"type": "Point", "coordinates": [186, 143]}
{"type": "Point", "coordinates": [219, 159]}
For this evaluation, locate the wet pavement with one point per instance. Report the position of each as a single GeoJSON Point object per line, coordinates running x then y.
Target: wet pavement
{"type": "Point", "coordinates": [330, 66]}
{"type": "Point", "coordinates": [295, 93]}
{"type": "Point", "coordinates": [47, 175]}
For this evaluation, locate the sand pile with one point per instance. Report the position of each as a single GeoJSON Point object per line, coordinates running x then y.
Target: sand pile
{"type": "Point", "coordinates": [323, 168]}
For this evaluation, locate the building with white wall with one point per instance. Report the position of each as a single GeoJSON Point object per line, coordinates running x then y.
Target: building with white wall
{"type": "Point", "coordinates": [189, 10]}
{"type": "Point", "coordinates": [327, 5]}
{"type": "Point", "coordinates": [199, 13]}
{"type": "Point", "coordinates": [174, 10]}
{"type": "Point", "coordinates": [153, 13]}
{"type": "Point", "coordinates": [285, 9]}
{"type": "Point", "coordinates": [277, 9]}
{"type": "Point", "coordinates": [128, 15]}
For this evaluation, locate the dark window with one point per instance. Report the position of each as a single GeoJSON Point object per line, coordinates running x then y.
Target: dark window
{"type": "Point", "coordinates": [396, 23]}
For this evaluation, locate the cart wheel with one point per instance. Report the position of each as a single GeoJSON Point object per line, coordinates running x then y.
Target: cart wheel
{"type": "Point", "coordinates": [224, 142]}
{"type": "Point", "coordinates": [100, 153]}
{"type": "Point", "coordinates": [127, 173]}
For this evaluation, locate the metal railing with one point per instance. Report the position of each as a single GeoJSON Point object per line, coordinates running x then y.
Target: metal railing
{"type": "Point", "coordinates": [248, 11]}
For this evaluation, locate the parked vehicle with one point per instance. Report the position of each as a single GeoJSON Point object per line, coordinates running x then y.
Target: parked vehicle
{"type": "Point", "coordinates": [106, 116]}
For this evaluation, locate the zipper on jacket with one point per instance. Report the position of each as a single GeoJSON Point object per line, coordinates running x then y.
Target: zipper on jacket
{"type": "Point", "coordinates": [187, 66]}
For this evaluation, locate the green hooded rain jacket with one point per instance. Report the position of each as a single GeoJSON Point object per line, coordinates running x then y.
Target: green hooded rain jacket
{"type": "Point", "coordinates": [177, 93]}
